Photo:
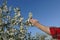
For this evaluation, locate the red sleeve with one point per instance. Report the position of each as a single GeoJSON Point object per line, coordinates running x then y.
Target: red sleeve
{"type": "Point", "coordinates": [55, 32]}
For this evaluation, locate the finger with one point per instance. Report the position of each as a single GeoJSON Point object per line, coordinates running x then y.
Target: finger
{"type": "Point", "coordinates": [31, 20]}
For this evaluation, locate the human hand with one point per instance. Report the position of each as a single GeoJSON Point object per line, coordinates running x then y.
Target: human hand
{"type": "Point", "coordinates": [34, 21]}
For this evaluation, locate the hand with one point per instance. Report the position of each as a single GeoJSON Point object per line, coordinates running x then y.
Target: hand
{"type": "Point", "coordinates": [33, 21]}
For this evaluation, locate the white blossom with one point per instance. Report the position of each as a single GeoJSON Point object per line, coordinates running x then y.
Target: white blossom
{"type": "Point", "coordinates": [5, 9]}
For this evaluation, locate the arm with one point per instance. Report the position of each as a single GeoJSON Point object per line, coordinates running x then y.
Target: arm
{"type": "Point", "coordinates": [37, 24]}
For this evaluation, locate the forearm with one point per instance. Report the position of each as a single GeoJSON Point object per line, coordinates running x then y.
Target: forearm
{"type": "Point", "coordinates": [43, 28]}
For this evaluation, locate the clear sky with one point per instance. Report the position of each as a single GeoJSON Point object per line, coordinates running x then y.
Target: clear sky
{"type": "Point", "coordinates": [47, 12]}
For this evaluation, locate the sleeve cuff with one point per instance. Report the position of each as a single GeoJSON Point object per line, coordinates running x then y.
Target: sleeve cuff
{"type": "Point", "coordinates": [53, 32]}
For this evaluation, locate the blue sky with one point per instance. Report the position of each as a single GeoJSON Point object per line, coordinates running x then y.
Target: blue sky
{"type": "Point", "coordinates": [47, 12]}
